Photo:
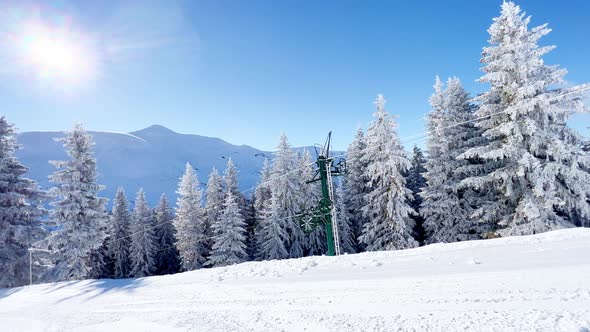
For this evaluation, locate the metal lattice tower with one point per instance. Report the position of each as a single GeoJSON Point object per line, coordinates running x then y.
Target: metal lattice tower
{"type": "Point", "coordinates": [333, 208]}
{"type": "Point", "coordinates": [324, 214]}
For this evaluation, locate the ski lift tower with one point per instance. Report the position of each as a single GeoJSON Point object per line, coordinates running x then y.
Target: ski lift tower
{"type": "Point", "coordinates": [325, 213]}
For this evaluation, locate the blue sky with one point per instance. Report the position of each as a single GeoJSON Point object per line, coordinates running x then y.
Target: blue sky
{"type": "Point", "coordinates": [246, 70]}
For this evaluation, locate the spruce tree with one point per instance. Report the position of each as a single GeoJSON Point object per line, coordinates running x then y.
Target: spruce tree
{"type": "Point", "coordinates": [120, 236]}
{"type": "Point", "coordinates": [20, 212]}
{"type": "Point", "coordinates": [167, 259]}
{"type": "Point", "coordinates": [437, 196]}
{"type": "Point", "coordinates": [100, 261]}
{"type": "Point", "coordinates": [288, 186]}
{"type": "Point", "coordinates": [356, 185]}
{"type": "Point", "coordinates": [190, 222]}
{"type": "Point", "coordinates": [386, 207]}
{"type": "Point", "coordinates": [261, 205]}
{"type": "Point", "coordinates": [416, 183]}
{"type": "Point", "coordinates": [144, 243]}
{"type": "Point", "coordinates": [280, 231]}
{"type": "Point", "coordinates": [534, 163]}
{"type": "Point", "coordinates": [230, 184]}
{"type": "Point", "coordinates": [230, 178]}
{"type": "Point", "coordinates": [343, 222]}
{"type": "Point", "coordinates": [230, 181]}
{"type": "Point", "coordinates": [415, 178]}
{"type": "Point", "coordinates": [214, 197]}
{"type": "Point", "coordinates": [462, 135]}
{"type": "Point", "coordinates": [262, 193]}
{"type": "Point", "coordinates": [251, 226]}
{"type": "Point", "coordinates": [78, 212]}
{"type": "Point", "coordinates": [273, 235]}
{"type": "Point", "coordinates": [229, 239]}
{"type": "Point", "coordinates": [447, 206]}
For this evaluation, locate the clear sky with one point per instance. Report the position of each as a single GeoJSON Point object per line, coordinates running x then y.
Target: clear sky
{"type": "Point", "coordinates": [246, 70]}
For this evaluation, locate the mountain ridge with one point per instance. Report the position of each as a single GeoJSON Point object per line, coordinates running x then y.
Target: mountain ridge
{"type": "Point", "coordinates": [152, 158]}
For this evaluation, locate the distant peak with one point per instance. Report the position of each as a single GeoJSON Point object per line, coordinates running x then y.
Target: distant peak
{"type": "Point", "coordinates": [154, 130]}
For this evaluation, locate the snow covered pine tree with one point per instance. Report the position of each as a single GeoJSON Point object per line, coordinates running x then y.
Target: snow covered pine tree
{"type": "Point", "coordinates": [190, 222]}
{"type": "Point", "coordinates": [416, 182]}
{"type": "Point", "coordinates": [120, 240]}
{"type": "Point", "coordinates": [144, 243]}
{"type": "Point", "coordinates": [446, 206]}
{"type": "Point", "coordinates": [343, 222]}
{"type": "Point", "coordinates": [167, 259]}
{"type": "Point", "coordinates": [356, 185]}
{"type": "Point", "coordinates": [78, 212]}
{"type": "Point", "coordinates": [536, 166]}
{"type": "Point", "coordinates": [281, 237]}
{"type": "Point", "coordinates": [230, 181]}
{"type": "Point", "coordinates": [262, 201]}
{"type": "Point", "coordinates": [229, 235]}
{"type": "Point", "coordinates": [262, 193]}
{"type": "Point", "coordinates": [20, 212]}
{"type": "Point", "coordinates": [213, 201]}
{"type": "Point", "coordinates": [389, 225]}
{"type": "Point", "coordinates": [230, 184]}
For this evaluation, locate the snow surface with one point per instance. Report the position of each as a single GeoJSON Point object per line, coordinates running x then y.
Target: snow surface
{"type": "Point", "coordinates": [532, 283]}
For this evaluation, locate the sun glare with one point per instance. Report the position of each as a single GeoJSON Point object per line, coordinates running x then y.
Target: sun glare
{"type": "Point", "coordinates": [56, 54]}
{"type": "Point", "coordinates": [53, 56]}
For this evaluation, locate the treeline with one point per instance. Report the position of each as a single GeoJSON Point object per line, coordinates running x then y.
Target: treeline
{"type": "Point", "coordinates": [217, 226]}
{"type": "Point", "coordinates": [503, 163]}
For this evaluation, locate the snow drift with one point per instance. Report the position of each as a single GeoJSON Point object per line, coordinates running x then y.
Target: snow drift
{"type": "Point", "coordinates": [529, 283]}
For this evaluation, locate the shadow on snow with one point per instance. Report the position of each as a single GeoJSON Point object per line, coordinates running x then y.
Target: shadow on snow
{"type": "Point", "coordinates": [6, 292]}
{"type": "Point", "coordinates": [96, 288]}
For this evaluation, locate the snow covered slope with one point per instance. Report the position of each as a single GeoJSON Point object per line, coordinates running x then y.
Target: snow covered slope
{"type": "Point", "coordinates": [152, 158]}
{"type": "Point", "coordinates": [533, 283]}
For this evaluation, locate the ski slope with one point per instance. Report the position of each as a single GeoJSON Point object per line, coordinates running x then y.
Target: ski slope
{"type": "Point", "coordinates": [532, 283]}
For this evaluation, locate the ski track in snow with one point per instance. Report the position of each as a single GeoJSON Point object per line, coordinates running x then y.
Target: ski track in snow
{"type": "Point", "coordinates": [533, 283]}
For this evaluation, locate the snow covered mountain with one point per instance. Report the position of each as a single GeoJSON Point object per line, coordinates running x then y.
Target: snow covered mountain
{"type": "Point", "coordinates": [528, 283]}
{"type": "Point", "coordinates": [153, 158]}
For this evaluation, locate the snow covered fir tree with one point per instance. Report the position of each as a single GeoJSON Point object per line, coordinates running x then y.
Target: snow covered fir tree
{"type": "Point", "coordinates": [78, 212]}
{"type": "Point", "coordinates": [167, 260]}
{"type": "Point", "coordinates": [416, 183]}
{"type": "Point", "coordinates": [230, 185]}
{"type": "Point", "coordinates": [280, 237]}
{"type": "Point", "coordinates": [386, 202]}
{"type": "Point", "coordinates": [191, 222]}
{"type": "Point", "coordinates": [214, 196]}
{"type": "Point", "coordinates": [20, 212]}
{"type": "Point", "coordinates": [229, 235]}
{"type": "Point", "coordinates": [262, 201]}
{"type": "Point", "coordinates": [535, 167]}
{"type": "Point", "coordinates": [356, 184]}
{"type": "Point", "coordinates": [120, 239]}
{"type": "Point", "coordinates": [343, 222]}
{"type": "Point", "coordinates": [446, 206]}
{"type": "Point", "coordinates": [144, 242]}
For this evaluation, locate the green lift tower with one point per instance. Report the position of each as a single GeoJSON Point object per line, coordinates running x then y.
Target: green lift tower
{"type": "Point", "coordinates": [324, 213]}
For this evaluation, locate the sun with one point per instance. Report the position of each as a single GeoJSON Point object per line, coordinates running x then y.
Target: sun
{"type": "Point", "coordinates": [54, 57]}
{"type": "Point", "coordinates": [57, 54]}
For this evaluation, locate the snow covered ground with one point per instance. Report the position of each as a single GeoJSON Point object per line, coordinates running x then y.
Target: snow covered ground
{"type": "Point", "coordinates": [533, 283]}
